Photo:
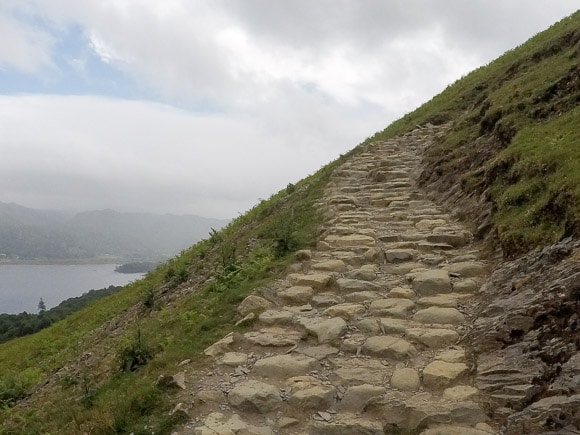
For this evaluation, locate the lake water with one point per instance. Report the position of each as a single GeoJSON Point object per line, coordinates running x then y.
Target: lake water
{"type": "Point", "coordinates": [22, 286]}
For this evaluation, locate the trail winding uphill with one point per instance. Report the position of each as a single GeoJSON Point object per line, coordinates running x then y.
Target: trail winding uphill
{"type": "Point", "coordinates": [364, 336]}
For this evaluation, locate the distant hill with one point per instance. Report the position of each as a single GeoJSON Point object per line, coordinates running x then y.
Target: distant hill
{"type": "Point", "coordinates": [30, 234]}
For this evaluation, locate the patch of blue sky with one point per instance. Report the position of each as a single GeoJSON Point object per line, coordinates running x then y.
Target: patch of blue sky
{"type": "Point", "coordinates": [76, 70]}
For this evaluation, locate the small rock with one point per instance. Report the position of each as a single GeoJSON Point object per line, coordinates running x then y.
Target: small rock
{"type": "Point", "coordinates": [330, 266]}
{"type": "Point", "coordinates": [394, 307]}
{"type": "Point", "coordinates": [466, 269]}
{"type": "Point", "coordinates": [356, 397]}
{"type": "Point", "coordinates": [441, 374]}
{"type": "Point", "coordinates": [276, 317]}
{"type": "Point", "coordinates": [327, 331]}
{"type": "Point", "coordinates": [284, 366]}
{"type": "Point", "coordinates": [273, 336]}
{"type": "Point", "coordinates": [402, 292]}
{"type": "Point", "coordinates": [460, 393]}
{"type": "Point", "coordinates": [221, 346]}
{"type": "Point", "coordinates": [233, 359]}
{"type": "Point", "coordinates": [253, 304]}
{"type": "Point", "coordinates": [431, 282]}
{"type": "Point", "coordinates": [299, 294]}
{"type": "Point", "coordinates": [405, 379]}
{"type": "Point", "coordinates": [433, 337]}
{"type": "Point", "coordinates": [449, 316]}
{"type": "Point", "coordinates": [313, 397]}
{"type": "Point", "coordinates": [345, 311]}
{"type": "Point", "coordinates": [255, 396]}
{"type": "Point", "coordinates": [389, 347]}
{"type": "Point", "coordinates": [169, 381]}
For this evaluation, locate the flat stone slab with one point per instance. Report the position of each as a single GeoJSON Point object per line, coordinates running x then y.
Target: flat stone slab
{"type": "Point", "coordinates": [445, 301]}
{"type": "Point", "coordinates": [221, 346]}
{"type": "Point", "coordinates": [429, 224]}
{"type": "Point", "coordinates": [394, 326]}
{"type": "Point", "coordinates": [431, 282]}
{"type": "Point", "coordinates": [218, 423]}
{"type": "Point", "coordinates": [356, 371]}
{"type": "Point", "coordinates": [345, 424]}
{"type": "Point", "coordinates": [253, 304]}
{"type": "Point", "coordinates": [346, 285]}
{"type": "Point", "coordinates": [233, 359]}
{"type": "Point", "coordinates": [345, 311]}
{"type": "Point", "coordinates": [326, 299]}
{"type": "Point", "coordinates": [467, 269]}
{"type": "Point", "coordinates": [276, 317]}
{"type": "Point", "coordinates": [423, 410]}
{"type": "Point", "coordinates": [330, 266]}
{"type": "Point", "coordinates": [298, 294]}
{"type": "Point", "coordinates": [402, 293]}
{"type": "Point", "coordinates": [366, 296]}
{"type": "Point", "coordinates": [356, 397]}
{"type": "Point", "coordinates": [319, 352]}
{"type": "Point", "coordinates": [327, 331]}
{"type": "Point", "coordinates": [448, 316]}
{"type": "Point", "coordinates": [402, 268]}
{"type": "Point", "coordinates": [273, 336]}
{"type": "Point", "coordinates": [405, 379]}
{"type": "Point", "coordinates": [451, 355]}
{"type": "Point", "coordinates": [386, 346]}
{"type": "Point", "coordinates": [284, 366]}
{"type": "Point", "coordinates": [350, 240]}
{"type": "Point", "coordinates": [441, 374]}
{"type": "Point", "coordinates": [460, 393]}
{"type": "Point", "coordinates": [433, 337]}
{"type": "Point", "coordinates": [455, 239]}
{"type": "Point", "coordinates": [400, 255]}
{"type": "Point", "coordinates": [255, 396]}
{"type": "Point", "coordinates": [365, 273]}
{"type": "Point", "coordinates": [313, 397]}
{"type": "Point", "coordinates": [394, 307]}
{"type": "Point", "coordinates": [316, 280]}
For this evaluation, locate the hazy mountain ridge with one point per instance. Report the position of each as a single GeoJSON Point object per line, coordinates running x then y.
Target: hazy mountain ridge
{"type": "Point", "coordinates": [29, 234]}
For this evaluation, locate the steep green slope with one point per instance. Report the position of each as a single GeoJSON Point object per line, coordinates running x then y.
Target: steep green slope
{"type": "Point", "coordinates": [514, 138]}
{"type": "Point", "coordinates": [95, 371]}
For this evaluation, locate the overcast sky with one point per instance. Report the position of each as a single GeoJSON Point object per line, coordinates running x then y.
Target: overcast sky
{"type": "Point", "coordinates": [206, 107]}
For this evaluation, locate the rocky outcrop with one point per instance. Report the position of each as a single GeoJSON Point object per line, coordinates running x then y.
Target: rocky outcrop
{"type": "Point", "coordinates": [527, 341]}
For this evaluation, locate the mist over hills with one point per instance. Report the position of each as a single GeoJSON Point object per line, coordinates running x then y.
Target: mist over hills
{"type": "Point", "coordinates": [31, 234]}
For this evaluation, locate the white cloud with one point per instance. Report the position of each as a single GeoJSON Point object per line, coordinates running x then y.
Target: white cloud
{"type": "Point", "coordinates": [24, 47]}
{"type": "Point", "coordinates": [292, 85]}
{"type": "Point", "coordinates": [148, 156]}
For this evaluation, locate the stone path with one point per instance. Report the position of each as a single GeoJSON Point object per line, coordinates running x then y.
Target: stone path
{"type": "Point", "coordinates": [364, 334]}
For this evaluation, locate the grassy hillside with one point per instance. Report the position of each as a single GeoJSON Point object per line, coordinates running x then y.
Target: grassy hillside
{"type": "Point", "coordinates": [514, 138]}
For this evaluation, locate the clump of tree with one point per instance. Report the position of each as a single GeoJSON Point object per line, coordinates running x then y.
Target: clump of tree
{"type": "Point", "coordinates": [19, 325]}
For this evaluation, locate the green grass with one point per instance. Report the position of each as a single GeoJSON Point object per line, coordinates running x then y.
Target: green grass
{"type": "Point", "coordinates": [177, 311]}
